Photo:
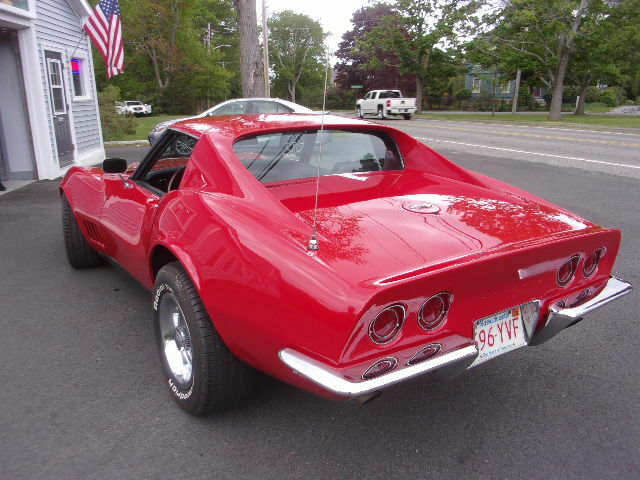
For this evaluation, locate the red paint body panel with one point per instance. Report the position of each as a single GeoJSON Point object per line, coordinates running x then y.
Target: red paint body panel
{"type": "Point", "coordinates": [244, 245]}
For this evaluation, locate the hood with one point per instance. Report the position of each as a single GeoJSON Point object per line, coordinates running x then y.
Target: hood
{"type": "Point", "coordinates": [375, 225]}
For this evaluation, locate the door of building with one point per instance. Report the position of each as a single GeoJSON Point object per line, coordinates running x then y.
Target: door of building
{"type": "Point", "coordinates": [59, 107]}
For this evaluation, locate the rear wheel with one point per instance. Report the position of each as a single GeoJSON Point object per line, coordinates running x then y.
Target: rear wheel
{"type": "Point", "coordinates": [381, 112]}
{"type": "Point", "coordinates": [407, 116]}
{"type": "Point", "coordinates": [79, 253]}
{"type": "Point", "coordinates": [201, 372]}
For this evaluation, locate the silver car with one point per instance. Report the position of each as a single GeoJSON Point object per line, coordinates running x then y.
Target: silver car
{"type": "Point", "coordinates": [237, 106]}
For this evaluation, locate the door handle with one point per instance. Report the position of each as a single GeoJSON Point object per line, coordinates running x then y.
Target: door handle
{"type": "Point", "coordinates": [152, 202]}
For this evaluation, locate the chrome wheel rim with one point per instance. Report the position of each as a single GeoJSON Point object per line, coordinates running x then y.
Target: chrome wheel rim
{"type": "Point", "coordinates": [175, 340]}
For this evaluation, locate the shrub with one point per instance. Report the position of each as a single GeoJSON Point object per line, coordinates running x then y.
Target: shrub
{"type": "Point", "coordinates": [593, 94]}
{"type": "Point", "coordinates": [609, 97]}
{"type": "Point", "coordinates": [569, 94]}
{"type": "Point", "coordinates": [114, 125]}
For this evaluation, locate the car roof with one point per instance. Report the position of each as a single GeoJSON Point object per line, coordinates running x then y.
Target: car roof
{"type": "Point", "coordinates": [234, 126]}
{"type": "Point", "coordinates": [295, 106]}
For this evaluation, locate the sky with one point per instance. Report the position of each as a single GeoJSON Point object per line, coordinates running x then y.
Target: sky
{"type": "Point", "coordinates": [334, 15]}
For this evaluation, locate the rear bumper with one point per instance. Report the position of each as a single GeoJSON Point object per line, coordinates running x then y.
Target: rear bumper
{"type": "Point", "coordinates": [561, 318]}
{"type": "Point", "coordinates": [448, 364]}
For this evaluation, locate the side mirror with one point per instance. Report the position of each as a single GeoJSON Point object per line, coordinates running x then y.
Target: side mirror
{"type": "Point", "coordinates": [114, 165]}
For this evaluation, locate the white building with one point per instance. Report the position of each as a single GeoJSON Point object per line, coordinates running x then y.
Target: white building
{"type": "Point", "coordinates": [49, 118]}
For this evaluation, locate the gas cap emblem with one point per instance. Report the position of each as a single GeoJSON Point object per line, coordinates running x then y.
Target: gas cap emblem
{"type": "Point", "coordinates": [424, 207]}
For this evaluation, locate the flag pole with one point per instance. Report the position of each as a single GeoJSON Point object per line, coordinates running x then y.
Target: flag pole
{"type": "Point", "coordinates": [82, 37]}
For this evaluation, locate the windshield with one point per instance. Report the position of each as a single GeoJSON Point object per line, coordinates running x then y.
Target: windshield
{"type": "Point", "coordinates": [294, 155]}
{"type": "Point", "coordinates": [133, 103]}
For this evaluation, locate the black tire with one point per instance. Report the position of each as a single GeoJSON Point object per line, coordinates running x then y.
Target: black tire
{"type": "Point", "coordinates": [219, 380]}
{"type": "Point", "coordinates": [381, 113]}
{"type": "Point", "coordinates": [79, 253]}
{"type": "Point", "coordinates": [407, 116]}
{"type": "Point", "coordinates": [358, 112]}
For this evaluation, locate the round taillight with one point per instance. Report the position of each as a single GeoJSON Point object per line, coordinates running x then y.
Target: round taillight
{"type": "Point", "coordinates": [380, 368]}
{"type": "Point", "coordinates": [567, 270]}
{"type": "Point", "coordinates": [425, 354]}
{"type": "Point", "coordinates": [433, 312]}
{"type": "Point", "coordinates": [387, 324]}
{"type": "Point", "coordinates": [592, 262]}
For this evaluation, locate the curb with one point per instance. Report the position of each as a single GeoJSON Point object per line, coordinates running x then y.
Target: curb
{"type": "Point", "coordinates": [119, 143]}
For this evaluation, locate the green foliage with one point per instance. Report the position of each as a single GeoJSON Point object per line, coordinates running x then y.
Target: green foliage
{"type": "Point", "coordinates": [593, 94]}
{"type": "Point", "coordinates": [463, 94]}
{"type": "Point", "coordinates": [297, 55]}
{"type": "Point", "coordinates": [609, 97]}
{"type": "Point", "coordinates": [166, 60]}
{"type": "Point", "coordinates": [113, 124]}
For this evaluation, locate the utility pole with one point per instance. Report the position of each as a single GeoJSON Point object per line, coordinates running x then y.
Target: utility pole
{"type": "Point", "coordinates": [516, 92]}
{"type": "Point", "coordinates": [265, 50]}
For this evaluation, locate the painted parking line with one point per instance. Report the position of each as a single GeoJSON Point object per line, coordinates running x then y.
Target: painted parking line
{"type": "Point", "coordinates": [613, 164]}
{"type": "Point", "coordinates": [552, 137]}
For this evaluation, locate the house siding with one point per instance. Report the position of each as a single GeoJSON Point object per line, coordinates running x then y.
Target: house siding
{"type": "Point", "coordinates": [58, 26]}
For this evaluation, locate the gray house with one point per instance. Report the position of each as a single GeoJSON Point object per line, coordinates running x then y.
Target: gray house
{"type": "Point", "coordinates": [482, 83]}
{"type": "Point", "coordinates": [49, 118]}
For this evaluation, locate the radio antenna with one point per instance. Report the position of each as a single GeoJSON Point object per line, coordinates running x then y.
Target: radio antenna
{"type": "Point", "coordinates": [313, 243]}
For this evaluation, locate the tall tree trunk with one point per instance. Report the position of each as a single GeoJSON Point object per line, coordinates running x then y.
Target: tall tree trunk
{"type": "Point", "coordinates": [251, 68]}
{"type": "Point", "coordinates": [292, 91]}
{"type": "Point", "coordinates": [582, 96]}
{"type": "Point", "coordinates": [555, 113]}
{"type": "Point", "coordinates": [419, 88]}
{"type": "Point", "coordinates": [516, 93]}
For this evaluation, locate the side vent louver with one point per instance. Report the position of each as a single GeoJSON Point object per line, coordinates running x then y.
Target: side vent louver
{"type": "Point", "coordinates": [92, 231]}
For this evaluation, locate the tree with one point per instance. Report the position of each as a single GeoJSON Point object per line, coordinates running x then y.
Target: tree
{"type": "Point", "coordinates": [251, 66]}
{"type": "Point", "coordinates": [423, 37]}
{"type": "Point", "coordinates": [546, 31]}
{"type": "Point", "coordinates": [608, 48]}
{"type": "Point", "coordinates": [377, 69]}
{"type": "Point", "coordinates": [296, 49]}
{"type": "Point", "coordinates": [166, 61]}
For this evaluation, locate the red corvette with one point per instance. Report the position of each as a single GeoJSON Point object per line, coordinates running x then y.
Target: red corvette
{"type": "Point", "coordinates": [340, 257]}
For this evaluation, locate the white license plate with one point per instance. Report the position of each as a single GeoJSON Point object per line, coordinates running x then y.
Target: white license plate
{"type": "Point", "coordinates": [499, 333]}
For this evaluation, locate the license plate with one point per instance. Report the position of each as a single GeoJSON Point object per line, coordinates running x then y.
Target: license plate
{"type": "Point", "coordinates": [499, 333]}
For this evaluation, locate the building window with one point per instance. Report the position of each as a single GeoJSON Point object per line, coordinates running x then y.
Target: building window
{"type": "Point", "coordinates": [475, 85]}
{"type": "Point", "coordinates": [57, 89]}
{"type": "Point", "coordinates": [505, 87]}
{"type": "Point", "coordinates": [79, 76]}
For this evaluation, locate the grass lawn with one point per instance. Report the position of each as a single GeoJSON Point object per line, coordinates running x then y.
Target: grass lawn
{"type": "Point", "coordinates": [568, 119]}
{"type": "Point", "coordinates": [144, 125]}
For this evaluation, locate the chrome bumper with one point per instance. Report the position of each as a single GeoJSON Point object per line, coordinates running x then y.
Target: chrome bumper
{"type": "Point", "coordinates": [449, 364]}
{"type": "Point", "coordinates": [561, 318]}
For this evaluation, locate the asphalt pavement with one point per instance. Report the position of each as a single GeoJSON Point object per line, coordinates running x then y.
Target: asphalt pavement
{"type": "Point", "coordinates": [83, 397]}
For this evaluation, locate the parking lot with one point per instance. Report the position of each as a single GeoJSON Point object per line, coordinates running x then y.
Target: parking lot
{"type": "Point", "coordinates": [82, 393]}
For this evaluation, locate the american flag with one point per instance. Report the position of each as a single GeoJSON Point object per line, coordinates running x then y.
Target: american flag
{"type": "Point", "coordinates": [105, 29]}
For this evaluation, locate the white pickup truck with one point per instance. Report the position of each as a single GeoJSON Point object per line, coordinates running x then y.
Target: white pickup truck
{"type": "Point", "coordinates": [133, 106]}
{"type": "Point", "coordinates": [383, 103]}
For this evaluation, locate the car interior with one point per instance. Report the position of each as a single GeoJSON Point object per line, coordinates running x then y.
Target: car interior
{"type": "Point", "coordinates": [164, 174]}
{"type": "Point", "coordinates": [295, 155]}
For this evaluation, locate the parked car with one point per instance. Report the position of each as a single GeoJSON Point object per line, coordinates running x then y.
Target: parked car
{"type": "Point", "coordinates": [134, 107]}
{"type": "Point", "coordinates": [237, 106]}
{"type": "Point", "coordinates": [393, 263]}
{"type": "Point", "coordinates": [385, 103]}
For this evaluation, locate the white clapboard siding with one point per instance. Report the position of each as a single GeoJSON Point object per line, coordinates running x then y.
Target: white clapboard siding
{"type": "Point", "coordinates": [59, 27]}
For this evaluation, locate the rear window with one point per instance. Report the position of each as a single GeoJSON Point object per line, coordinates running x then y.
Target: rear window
{"type": "Point", "coordinates": [294, 155]}
{"type": "Point", "coordinates": [390, 94]}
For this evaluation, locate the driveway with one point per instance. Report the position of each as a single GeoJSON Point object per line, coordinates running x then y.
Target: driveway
{"type": "Point", "coordinates": [83, 397]}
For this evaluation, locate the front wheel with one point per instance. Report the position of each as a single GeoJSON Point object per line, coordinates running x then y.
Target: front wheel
{"type": "Point", "coordinates": [202, 374]}
{"type": "Point", "coordinates": [358, 112]}
{"type": "Point", "coordinates": [407, 116]}
{"type": "Point", "coordinates": [79, 253]}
